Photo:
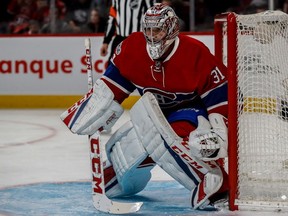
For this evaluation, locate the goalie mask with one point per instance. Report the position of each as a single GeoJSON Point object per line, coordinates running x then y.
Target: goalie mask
{"type": "Point", "coordinates": [160, 27]}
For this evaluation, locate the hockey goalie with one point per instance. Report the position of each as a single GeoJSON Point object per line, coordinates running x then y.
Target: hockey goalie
{"type": "Point", "coordinates": [179, 123]}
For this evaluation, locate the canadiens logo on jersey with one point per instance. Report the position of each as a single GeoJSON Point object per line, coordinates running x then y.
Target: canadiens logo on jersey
{"type": "Point", "coordinates": [169, 99]}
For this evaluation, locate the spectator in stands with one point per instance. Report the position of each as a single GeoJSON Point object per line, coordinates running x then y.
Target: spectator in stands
{"type": "Point", "coordinates": [23, 7]}
{"type": "Point", "coordinates": [21, 11]}
{"type": "Point", "coordinates": [284, 6]}
{"type": "Point", "coordinates": [95, 24]}
{"type": "Point", "coordinates": [77, 22]}
{"type": "Point", "coordinates": [19, 25]}
{"type": "Point", "coordinates": [60, 25]}
{"type": "Point", "coordinates": [34, 27]}
{"type": "Point", "coordinates": [123, 20]}
{"type": "Point", "coordinates": [41, 14]}
{"type": "Point", "coordinates": [77, 14]}
{"type": "Point", "coordinates": [102, 7]}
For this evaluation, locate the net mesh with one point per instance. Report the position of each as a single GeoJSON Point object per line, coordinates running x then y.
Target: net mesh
{"type": "Point", "coordinates": [262, 77]}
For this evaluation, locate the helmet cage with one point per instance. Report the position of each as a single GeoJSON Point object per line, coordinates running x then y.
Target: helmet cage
{"type": "Point", "coordinates": [160, 18]}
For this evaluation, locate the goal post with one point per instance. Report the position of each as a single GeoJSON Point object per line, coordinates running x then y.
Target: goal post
{"type": "Point", "coordinates": [254, 48]}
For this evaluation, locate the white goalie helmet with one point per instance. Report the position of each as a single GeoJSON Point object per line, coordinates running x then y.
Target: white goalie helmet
{"type": "Point", "coordinates": [160, 27]}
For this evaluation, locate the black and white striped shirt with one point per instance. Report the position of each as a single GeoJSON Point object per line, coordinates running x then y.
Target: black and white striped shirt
{"type": "Point", "coordinates": [125, 17]}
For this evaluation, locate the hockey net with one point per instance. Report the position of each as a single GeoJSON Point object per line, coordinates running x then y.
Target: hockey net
{"type": "Point", "coordinates": [255, 49]}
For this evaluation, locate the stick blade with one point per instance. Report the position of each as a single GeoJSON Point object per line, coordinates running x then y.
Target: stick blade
{"type": "Point", "coordinates": [104, 204]}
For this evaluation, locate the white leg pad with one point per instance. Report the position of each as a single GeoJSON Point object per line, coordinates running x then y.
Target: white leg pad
{"type": "Point", "coordinates": [211, 183]}
{"type": "Point", "coordinates": [126, 153]}
{"type": "Point", "coordinates": [163, 145]}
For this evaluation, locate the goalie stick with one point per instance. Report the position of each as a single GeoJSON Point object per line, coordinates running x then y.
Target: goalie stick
{"type": "Point", "coordinates": [100, 201]}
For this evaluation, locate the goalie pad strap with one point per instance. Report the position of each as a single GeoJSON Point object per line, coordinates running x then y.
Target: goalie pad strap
{"type": "Point", "coordinates": [95, 111]}
{"type": "Point", "coordinates": [163, 144]}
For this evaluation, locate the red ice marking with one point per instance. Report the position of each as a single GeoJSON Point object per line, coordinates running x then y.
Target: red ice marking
{"type": "Point", "coordinates": [52, 132]}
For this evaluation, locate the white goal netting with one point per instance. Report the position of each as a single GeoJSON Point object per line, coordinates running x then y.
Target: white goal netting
{"type": "Point", "coordinates": [262, 77]}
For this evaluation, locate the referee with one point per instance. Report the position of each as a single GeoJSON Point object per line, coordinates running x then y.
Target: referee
{"type": "Point", "coordinates": [125, 17]}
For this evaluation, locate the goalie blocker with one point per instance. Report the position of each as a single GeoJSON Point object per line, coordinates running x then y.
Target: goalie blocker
{"type": "Point", "coordinates": [96, 111]}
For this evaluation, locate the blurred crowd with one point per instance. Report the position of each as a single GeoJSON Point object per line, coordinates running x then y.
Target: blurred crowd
{"type": "Point", "coordinates": [57, 16]}
{"type": "Point", "coordinates": [90, 16]}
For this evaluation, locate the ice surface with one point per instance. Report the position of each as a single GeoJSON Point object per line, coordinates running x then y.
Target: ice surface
{"type": "Point", "coordinates": [45, 170]}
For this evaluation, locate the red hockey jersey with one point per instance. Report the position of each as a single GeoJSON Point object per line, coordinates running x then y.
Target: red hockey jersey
{"type": "Point", "coordinates": [189, 75]}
